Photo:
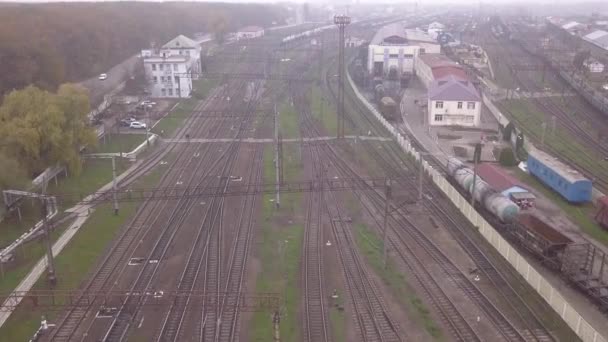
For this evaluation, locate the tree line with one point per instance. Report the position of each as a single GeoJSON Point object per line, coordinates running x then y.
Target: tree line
{"type": "Point", "coordinates": [49, 44]}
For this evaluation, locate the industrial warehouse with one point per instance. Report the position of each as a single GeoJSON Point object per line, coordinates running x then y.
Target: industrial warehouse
{"type": "Point", "coordinates": [304, 172]}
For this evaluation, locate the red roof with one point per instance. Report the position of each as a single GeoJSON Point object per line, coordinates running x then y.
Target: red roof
{"type": "Point", "coordinates": [436, 60]}
{"type": "Point", "coordinates": [498, 179]}
{"type": "Point", "coordinates": [444, 71]}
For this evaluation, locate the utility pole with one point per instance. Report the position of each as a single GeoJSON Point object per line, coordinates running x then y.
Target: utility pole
{"type": "Point", "coordinates": [387, 200]}
{"type": "Point", "coordinates": [51, 275]}
{"type": "Point", "coordinates": [341, 21]}
{"type": "Point", "coordinates": [420, 180]}
{"type": "Point", "coordinates": [543, 133]}
{"type": "Point", "coordinates": [114, 186]}
{"type": "Point", "coordinates": [148, 125]}
{"type": "Point", "coordinates": [476, 158]}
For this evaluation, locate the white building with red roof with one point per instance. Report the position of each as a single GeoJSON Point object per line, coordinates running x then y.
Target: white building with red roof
{"type": "Point", "coordinates": [430, 67]}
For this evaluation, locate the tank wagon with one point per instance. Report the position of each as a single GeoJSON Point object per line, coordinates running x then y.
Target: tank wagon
{"type": "Point", "coordinates": [491, 200]}
{"type": "Point", "coordinates": [569, 183]}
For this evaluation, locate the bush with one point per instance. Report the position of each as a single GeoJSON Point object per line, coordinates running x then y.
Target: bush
{"type": "Point", "coordinates": [507, 157]}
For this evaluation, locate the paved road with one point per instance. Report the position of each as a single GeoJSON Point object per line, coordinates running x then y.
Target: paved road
{"type": "Point", "coordinates": [116, 75]}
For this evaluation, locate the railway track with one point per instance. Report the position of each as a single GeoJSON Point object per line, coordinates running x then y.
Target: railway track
{"type": "Point", "coordinates": [586, 163]}
{"type": "Point", "coordinates": [67, 326]}
{"type": "Point", "coordinates": [369, 309]}
{"type": "Point", "coordinates": [206, 255]}
{"type": "Point", "coordinates": [535, 331]}
{"type": "Point", "coordinates": [122, 321]}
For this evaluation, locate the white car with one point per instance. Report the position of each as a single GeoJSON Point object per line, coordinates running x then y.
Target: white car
{"type": "Point", "coordinates": [103, 77]}
{"type": "Point", "coordinates": [137, 125]}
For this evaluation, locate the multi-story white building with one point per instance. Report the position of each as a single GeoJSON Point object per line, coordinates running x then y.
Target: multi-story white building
{"type": "Point", "coordinates": [170, 69]}
{"type": "Point", "coordinates": [453, 101]}
{"type": "Point", "coordinates": [393, 46]}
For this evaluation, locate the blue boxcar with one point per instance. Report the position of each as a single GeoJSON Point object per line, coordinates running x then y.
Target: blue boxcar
{"type": "Point", "coordinates": [569, 183]}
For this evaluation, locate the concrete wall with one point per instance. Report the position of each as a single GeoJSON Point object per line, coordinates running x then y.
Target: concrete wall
{"type": "Point", "coordinates": [549, 293]}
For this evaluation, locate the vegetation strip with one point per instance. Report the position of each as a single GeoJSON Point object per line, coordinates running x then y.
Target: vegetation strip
{"type": "Point", "coordinates": [279, 251]}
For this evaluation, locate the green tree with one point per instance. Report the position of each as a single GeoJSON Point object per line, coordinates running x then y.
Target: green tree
{"type": "Point", "coordinates": [12, 175]}
{"type": "Point", "coordinates": [218, 25]}
{"type": "Point", "coordinates": [40, 129]}
{"type": "Point", "coordinates": [73, 101]}
{"type": "Point", "coordinates": [507, 157]}
{"type": "Point", "coordinates": [580, 58]}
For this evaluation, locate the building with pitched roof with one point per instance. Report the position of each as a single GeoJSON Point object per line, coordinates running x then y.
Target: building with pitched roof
{"type": "Point", "coordinates": [395, 47]}
{"type": "Point", "coordinates": [430, 67]}
{"type": "Point", "coordinates": [171, 68]}
{"type": "Point", "coordinates": [453, 101]}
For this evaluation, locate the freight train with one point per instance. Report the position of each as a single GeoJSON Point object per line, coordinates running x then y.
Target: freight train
{"type": "Point", "coordinates": [580, 262]}
{"type": "Point", "coordinates": [493, 201]}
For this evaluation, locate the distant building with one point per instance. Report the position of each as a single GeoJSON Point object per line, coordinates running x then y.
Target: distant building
{"type": "Point", "coordinates": [453, 101]}
{"type": "Point", "coordinates": [573, 27]}
{"type": "Point", "coordinates": [394, 47]}
{"type": "Point", "coordinates": [593, 66]}
{"type": "Point", "coordinates": [249, 32]}
{"type": "Point", "coordinates": [598, 38]}
{"type": "Point", "coordinates": [434, 29]}
{"type": "Point", "coordinates": [170, 69]}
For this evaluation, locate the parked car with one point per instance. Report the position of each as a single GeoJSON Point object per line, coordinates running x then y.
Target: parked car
{"type": "Point", "coordinates": [103, 77]}
{"type": "Point", "coordinates": [137, 125]}
{"type": "Point", "coordinates": [125, 123]}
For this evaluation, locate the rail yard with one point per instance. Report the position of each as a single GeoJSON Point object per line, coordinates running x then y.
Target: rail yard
{"type": "Point", "coordinates": [288, 208]}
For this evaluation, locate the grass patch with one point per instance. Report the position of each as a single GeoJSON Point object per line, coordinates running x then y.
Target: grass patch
{"type": "Point", "coordinates": [371, 246]}
{"type": "Point", "coordinates": [26, 256]}
{"type": "Point", "coordinates": [279, 251]}
{"type": "Point", "coordinates": [338, 319]}
{"type": "Point", "coordinates": [288, 120]}
{"type": "Point", "coordinates": [120, 143]}
{"type": "Point", "coordinates": [581, 215]}
{"type": "Point", "coordinates": [202, 87]}
{"type": "Point", "coordinates": [175, 118]}
{"type": "Point", "coordinates": [75, 261]}
{"type": "Point", "coordinates": [323, 110]}
{"type": "Point", "coordinates": [95, 174]}
{"type": "Point", "coordinates": [11, 228]}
